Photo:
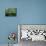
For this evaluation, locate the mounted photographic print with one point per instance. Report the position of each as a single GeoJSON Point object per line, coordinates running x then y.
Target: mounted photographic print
{"type": "Point", "coordinates": [11, 12]}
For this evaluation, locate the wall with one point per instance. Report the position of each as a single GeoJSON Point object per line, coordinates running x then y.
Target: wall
{"type": "Point", "coordinates": [28, 12]}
